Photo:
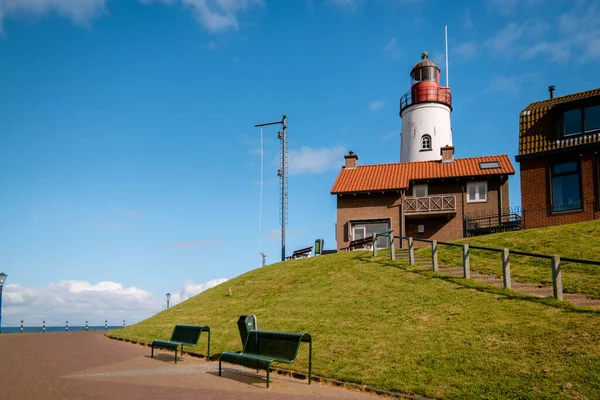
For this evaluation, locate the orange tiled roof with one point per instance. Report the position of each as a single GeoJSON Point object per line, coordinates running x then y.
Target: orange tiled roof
{"type": "Point", "coordinates": [380, 177]}
{"type": "Point", "coordinates": [536, 125]}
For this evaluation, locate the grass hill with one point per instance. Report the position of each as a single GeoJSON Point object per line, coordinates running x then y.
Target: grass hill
{"type": "Point", "coordinates": [387, 325]}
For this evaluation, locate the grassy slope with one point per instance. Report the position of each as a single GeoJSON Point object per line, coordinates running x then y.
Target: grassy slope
{"type": "Point", "coordinates": [580, 240]}
{"type": "Point", "coordinates": [383, 324]}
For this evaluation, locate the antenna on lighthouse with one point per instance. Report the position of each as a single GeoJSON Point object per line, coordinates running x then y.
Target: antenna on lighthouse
{"type": "Point", "coordinates": [446, 32]}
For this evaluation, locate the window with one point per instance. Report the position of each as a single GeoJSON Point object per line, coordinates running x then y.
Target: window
{"type": "Point", "coordinates": [581, 120]}
{"type": "Point", "coordinates": [366, 228]}
{"type": "Point", "coordinates": [592, 118]}
{"type": "Point", "coordinates": [426, 142]}
{"type": "Point", "coordinates": [572, 122]}
{"type": "Point", "coordinates": [420, 190]}
{"type": "Point", "coordinates": [566, 186]}
{"type": "Point", "coordinates": [489, 165]}
{"type": "Point", "coordinates": [477, 192]}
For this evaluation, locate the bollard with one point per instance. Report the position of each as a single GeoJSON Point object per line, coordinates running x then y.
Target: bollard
{"type": "Point", "coordinates": [86, 326]}
{"type": "Point", "coordinates": [557, 278]}
{"type": "Point", "coordinates": [411, 252]}
{"type": "Point", "coordinates": [392, 248]}
{"type": "Point", "coordinates": [434, 256]}
{"type": "Point", "coordinates": [67, 326]}
{"type": "Point", "coordinates": [506, 268]}
{"type": "Point", "coordinates": [466, 262]}
{"type": "Point", "coordinates": [105, 325]}
{"type": "Point", "coordinates": [123, 323]}
{"type": "Point", "coordinates": [43, 326]}
{"type": "Point", "coordinates": [374, 245]}
{"type": "Point", "coordinates": [21, 326]}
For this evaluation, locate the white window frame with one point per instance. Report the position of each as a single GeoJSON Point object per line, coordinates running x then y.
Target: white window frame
{"type": "Point", "coordinates": [479, 196]}
{"type": "Point", "coordinates": [356, 228]}
{"type": "Point", "coordinates": [423, 139]}
{"type": "Point", "coordinates": [420, 186]}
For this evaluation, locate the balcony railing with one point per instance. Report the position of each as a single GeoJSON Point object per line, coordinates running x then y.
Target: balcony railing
{"type": "Point", "coordinates": [429, 204]}
{"type": "Point", "coordinates": [437, 94]}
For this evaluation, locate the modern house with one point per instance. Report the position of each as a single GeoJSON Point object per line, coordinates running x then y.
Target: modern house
{"type": "Point", "coordinates": [429, 193]}
{"type": "Point", "coordinates": [559, 146]}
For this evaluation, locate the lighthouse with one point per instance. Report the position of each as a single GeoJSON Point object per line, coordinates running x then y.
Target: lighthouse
{"type": "Point", "coordinates": [425, 111]}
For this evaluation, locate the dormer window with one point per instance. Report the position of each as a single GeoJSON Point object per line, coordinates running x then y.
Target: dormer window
{"type": "Point", "coordinates": [426, 142]}
{"type": "Point", "coordinates": [581, 120]}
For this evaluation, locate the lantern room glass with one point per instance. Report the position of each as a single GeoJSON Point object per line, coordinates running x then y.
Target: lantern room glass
{"type": "Point", "coordinates": [423, 74]}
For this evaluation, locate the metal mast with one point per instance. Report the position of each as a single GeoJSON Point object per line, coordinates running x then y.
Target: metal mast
{"type": "Point", "coordinates": [282, 173]}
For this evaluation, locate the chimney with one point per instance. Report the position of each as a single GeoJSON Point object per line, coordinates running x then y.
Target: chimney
{"type": "Point", "coordinates": [551, 89]}
{"type": "Point", "coordinates": [351, 159]}
{"type": "Point", "coordinates": [447, 154]}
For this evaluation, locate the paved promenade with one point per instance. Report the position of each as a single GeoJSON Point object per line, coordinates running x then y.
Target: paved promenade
{"type": "Point", "coordinates": [86, 365]}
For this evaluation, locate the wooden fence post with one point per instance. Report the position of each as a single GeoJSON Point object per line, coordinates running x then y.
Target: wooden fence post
{"type": "Point", "coordinates": [557, 278]}
{"type": "Point", "coordinates": [411, 252]}
{"type": "Point", "coordinates": [506, 268]}
{"type": "Point", "coordinates": [392, 248]}
{"type": "Point", "coordinates": [466, 262]}
{"type": "Point", "coordinates": [374, 244]}
{"type": "Point", "coordinates": [434, 256]}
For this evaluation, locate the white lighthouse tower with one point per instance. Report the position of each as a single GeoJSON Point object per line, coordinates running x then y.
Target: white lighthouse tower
{"type": "Point", "coordinates": [425, 112]}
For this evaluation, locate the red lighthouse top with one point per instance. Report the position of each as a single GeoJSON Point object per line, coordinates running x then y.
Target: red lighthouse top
{"type": "Point", "coordinates": [425, 81]}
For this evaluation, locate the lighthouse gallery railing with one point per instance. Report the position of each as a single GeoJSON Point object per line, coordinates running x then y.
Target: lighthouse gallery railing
{"type": "Point", "coordinates": [438, 94]}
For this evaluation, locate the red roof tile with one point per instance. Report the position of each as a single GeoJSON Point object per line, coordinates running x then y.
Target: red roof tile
{"type": "Point", "coordinates": [380, 177]}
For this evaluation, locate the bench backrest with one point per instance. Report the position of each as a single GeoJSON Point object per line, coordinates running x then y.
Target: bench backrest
{"type": "Point", "coordinates": [281, 346]}
{"type": "Point", "coordinates": [186, 334]}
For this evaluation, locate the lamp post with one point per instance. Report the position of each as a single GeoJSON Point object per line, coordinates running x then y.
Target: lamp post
{"type": "Point", "coordinates": [168, 298]}
{"type": "Point", "coordinates": [2, 280]}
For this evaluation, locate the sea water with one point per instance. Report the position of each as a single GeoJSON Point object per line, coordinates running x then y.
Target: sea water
{"type": "Point", "coordinates": [38, 329]}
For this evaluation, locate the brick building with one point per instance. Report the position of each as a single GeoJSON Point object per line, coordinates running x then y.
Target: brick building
{"type": "Point", "coordinates": [423, 199]}
{"type": "Point", "coordinates": [559, 145]}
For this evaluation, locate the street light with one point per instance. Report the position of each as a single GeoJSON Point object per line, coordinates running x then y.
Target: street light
{"type": "Point", "coordinates": [2, 280]}
{"type": "Point", "coordinates": [168, 298]}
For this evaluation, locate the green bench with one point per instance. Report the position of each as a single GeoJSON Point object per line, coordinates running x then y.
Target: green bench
{"type": "Point", "coordinates": [263, 348]}
{"type": "Point", "coordinates": [182, 335]}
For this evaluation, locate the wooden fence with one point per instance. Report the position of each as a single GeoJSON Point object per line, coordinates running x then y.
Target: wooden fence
{"type": "Point", "coordinates": [505, 253]}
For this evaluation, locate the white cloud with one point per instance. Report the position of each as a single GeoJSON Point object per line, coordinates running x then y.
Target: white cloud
{"type": "Point", "coordinates": [80, 301]}
{"type": "Point", "coordinates": [390, 135]}
{"type": "Point", "coordinates": [351, 5]}
{"type": "Point", "coordinates": [190, 289]}
{"type": "Point", "coordinates": [467, 20]}
{"type": "Point", "coordinates": [503, 84]}
{"type": "Point", "coordinates": [78, 11]}
{"type": "Point", "coordinates": [376, 105]}
{"type": "Point", "coordinates": [465, 50]}
{"type": "Point", "coordinates": [507, 7]}
{"type": "Point", "coordinates": [577, 37]}
{"type": "Point", "coordinates": [216, 16]}
{"type": "Point", "coordinates": [310, 160]}
{"type": "Point", "coordinates": [391, 48]}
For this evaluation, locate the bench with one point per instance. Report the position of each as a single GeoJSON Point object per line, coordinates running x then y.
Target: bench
{"type": "Point", "coordinates": [263, 348]}
{"type": "Point", "coordinates": [302, 253]}
{"type": "Point", "coordinates": [365, 243]}
{"type": "Point", "coordinates": [182, 335]}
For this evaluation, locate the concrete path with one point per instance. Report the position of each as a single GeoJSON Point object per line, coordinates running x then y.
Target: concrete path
{"type": "Point", "coordinates": [87, 365]}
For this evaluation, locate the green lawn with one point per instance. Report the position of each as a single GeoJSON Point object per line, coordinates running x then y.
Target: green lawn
{"type": "Point", "coordinates": [580, 241]}
{"type": "Point", "coordinates": [389, 326]}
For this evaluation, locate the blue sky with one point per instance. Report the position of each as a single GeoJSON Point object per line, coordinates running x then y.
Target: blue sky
{"type": "Point", "coordinates": [129, 161]}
